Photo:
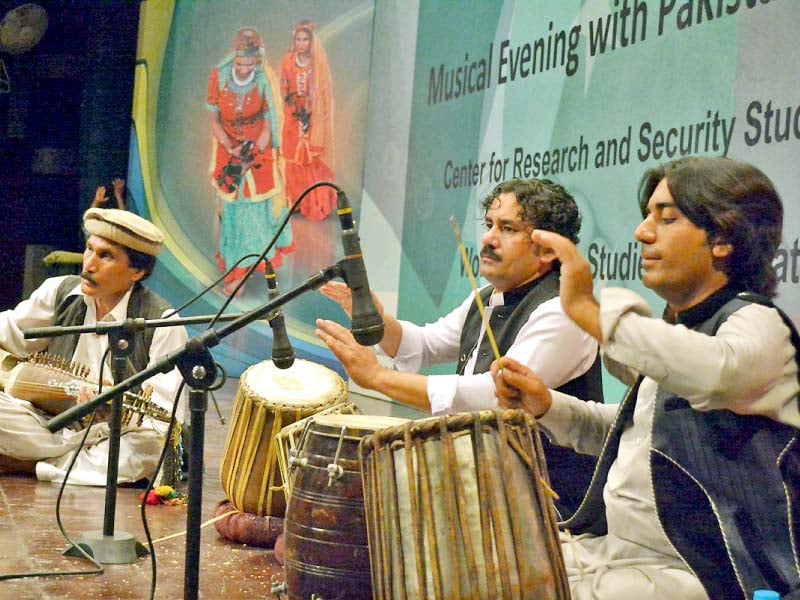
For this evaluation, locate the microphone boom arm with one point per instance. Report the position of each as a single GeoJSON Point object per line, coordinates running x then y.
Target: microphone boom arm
{"type": "Point", "coordinates": [194, 354]}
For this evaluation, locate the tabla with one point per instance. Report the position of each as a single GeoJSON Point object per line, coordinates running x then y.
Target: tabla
{"type": "Point", "coordinates": [290, 439]}
{"type": "Point", "coordinates": [460, 507]}
{"type": "Point", "coordinates": [268, 399]}
{"type": "Point", "coordinates": [325, 535]}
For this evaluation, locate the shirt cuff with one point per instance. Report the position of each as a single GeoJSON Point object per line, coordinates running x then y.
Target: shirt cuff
{"type": "Point", "coordinates": [406, 358]}
{"type": "Point", "coordinates": [557, 416]}
{"type": "Point", "coordinates": [441, 392]}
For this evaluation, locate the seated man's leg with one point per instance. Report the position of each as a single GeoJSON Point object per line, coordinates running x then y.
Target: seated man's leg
{"type": "Point", "coordinates": [138, 456]}
{"type": "Point", "coordinates": [597, 572]}
{"type": "Point", "coordinates": [23, 432]}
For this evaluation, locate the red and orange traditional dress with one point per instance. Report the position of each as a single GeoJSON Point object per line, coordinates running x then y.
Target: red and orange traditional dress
{"type": "Point", "coordinates": [253, 201]}
{"type": "Point", "coordinates": [307, 136]}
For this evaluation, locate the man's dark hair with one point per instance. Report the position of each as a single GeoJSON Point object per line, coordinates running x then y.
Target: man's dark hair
{"type": "Point", "coordinates": [140, 260]}
{"type": "Point", "coordinates": [544, 205]}
{"type": "Point", "coordinates": [734, 203]}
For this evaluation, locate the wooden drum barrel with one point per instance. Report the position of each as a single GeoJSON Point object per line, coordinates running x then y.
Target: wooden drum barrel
{"type": "Point", "coordinates": [326, 554]}
{"type": "Point", "coordinates": [460, 507]}
{"type": "Point", "coordinates": [267, 400]}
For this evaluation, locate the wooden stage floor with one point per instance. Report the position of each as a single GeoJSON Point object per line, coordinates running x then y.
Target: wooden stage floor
{"type": "Point", "coordinates": [30, 540]}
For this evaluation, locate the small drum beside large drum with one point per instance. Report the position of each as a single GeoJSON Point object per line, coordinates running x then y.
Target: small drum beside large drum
{"type": "Point", "coordinates": [267, 400]}
{"type": "Point", "coordinates": [326, 553]}
{"type": "Point", "coordinates": [290, 438]}
{"type": "Point", "coordinates": [460, 507]}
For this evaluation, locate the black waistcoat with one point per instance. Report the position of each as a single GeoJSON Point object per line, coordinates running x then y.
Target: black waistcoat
{"type": "Point", "coordinates": [71, 310]}
{"type": "Point", "coordinates": [727, 486]}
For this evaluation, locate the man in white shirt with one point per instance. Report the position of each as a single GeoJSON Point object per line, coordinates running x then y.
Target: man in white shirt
{"type": "Point", "coordinates": [120, 253]}
{"type": "Point", "coordinates": [696, 489]}
{"type": "Point", "coordinates": [522, 306]}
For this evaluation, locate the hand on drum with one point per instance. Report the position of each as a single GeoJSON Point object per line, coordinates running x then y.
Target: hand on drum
{"type": "Point", "coordinates": [359, 361]}
{"type": "Point", "coordinates": [517, 386]}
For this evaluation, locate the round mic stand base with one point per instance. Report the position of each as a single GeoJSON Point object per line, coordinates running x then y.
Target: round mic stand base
{"type": "Point", "coordinates": [118, 549]}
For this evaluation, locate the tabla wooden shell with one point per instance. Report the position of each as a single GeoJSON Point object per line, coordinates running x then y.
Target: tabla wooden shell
{"type": "Point", "coordinates": [267, 400]}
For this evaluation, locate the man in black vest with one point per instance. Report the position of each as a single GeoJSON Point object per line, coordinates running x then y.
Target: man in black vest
{"type": "Point", "coordinates": [525, 316]}
{"type": "Point", "coordinates": [697, 489]}
{"type": "Point", "coordinates": [120, 253]}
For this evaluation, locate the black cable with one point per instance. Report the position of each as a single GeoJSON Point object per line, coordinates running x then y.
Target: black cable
{"type": "Point", "coordinates": [269, 246]}
{"type": "Point", "coordinates": [143, 505]}
{"type": "Point", "coordinates": [209, 287]}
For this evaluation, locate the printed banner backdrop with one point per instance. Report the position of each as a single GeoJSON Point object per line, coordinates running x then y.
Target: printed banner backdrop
{"type": "Point", "coordinates": [461, 96]}
{"type": "Point", "coordinates": [590, 94]}
{"type": "Point", "coordinates": [171, 152]}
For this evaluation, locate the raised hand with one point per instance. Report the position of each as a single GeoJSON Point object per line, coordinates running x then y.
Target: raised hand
{"type": "Point", "coordinates": [576, 291]}
{"type": "Point", "coordinates": [359, 361]}
{"type": "Point", "coordinates": [340, 293]}
{"type": "Point", "coordinates": [99, 196]}
{"type": "Point", "coordinates": [119, 192]}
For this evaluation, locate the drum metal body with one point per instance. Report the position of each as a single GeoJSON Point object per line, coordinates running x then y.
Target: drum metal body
{"type": "Point", "coordinates": [326, 554]}
{"type": "Point", "coordinates": [290, 438]}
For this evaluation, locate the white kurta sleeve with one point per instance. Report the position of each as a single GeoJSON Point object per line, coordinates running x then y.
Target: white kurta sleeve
{"type": "Point", "coordinates": [577, 424]}
{"type": "Point", "coordinates": [748, 367]}
{"type": "Point", "coordinates": [165, 385]}
{"type": "Point", "coordinates": [36, 311]}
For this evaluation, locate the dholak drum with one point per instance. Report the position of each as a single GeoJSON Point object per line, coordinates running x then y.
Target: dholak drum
{"type": "Point", "coordinates": [290, 438]}
{"type": "Point", "coordinates": [460, 507]}
{"type": "Point", "coordinates": [268, 399]}
{"type": "Point", "coordinates": [325, 535]}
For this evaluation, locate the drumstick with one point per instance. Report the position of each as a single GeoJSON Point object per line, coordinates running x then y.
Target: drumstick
{"type": "Point", "coordinates": [474, 284]}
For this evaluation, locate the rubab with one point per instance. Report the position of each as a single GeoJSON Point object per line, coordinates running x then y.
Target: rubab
{"type": "Point", "coordinates": [52, 384]}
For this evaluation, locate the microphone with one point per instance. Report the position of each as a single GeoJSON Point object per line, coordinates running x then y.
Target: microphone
{"type": "Point", "coordinates": [282, 351]}
{"type": "Point", "coordinates": [366, 324]}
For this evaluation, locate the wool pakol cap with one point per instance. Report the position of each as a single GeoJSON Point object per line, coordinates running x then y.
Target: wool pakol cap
{"type": "Point", "coordinates": [124, 228]}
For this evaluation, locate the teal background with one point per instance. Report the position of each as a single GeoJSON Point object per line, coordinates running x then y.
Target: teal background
{"type": "Point", "coordinates": [671, 79]}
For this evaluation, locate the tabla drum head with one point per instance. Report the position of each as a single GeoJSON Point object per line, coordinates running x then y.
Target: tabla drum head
{"type": "Point", "coordinates": [359, 422]}
{"type": "Point", "coordinates": [305, 383]}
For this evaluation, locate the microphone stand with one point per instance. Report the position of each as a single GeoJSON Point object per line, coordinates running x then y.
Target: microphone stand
{"type": "Point", "coordinates": [195, 363]}
{"type": "Point", "coordinates": [106, 546]}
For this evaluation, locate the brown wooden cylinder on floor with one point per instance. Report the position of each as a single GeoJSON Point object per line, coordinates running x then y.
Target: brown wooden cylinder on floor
{"type": "Point", "coordinates": [326, 553]}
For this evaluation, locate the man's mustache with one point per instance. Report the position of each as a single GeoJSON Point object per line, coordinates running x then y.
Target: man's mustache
{"type": "Point", "coordinates": [88, 278]}
{"type": "Point", "coordinates": [488, 252]}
